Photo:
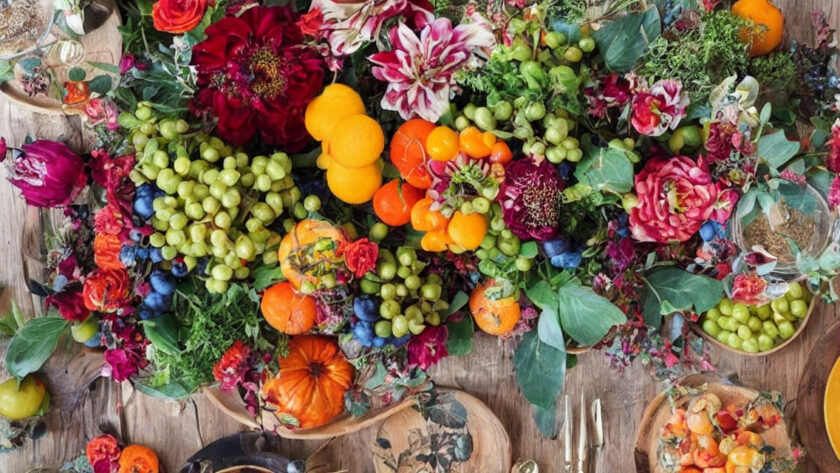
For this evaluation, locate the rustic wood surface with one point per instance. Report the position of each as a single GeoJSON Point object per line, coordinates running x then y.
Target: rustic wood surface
{"type": "Point", "coordinates": [176, 430]}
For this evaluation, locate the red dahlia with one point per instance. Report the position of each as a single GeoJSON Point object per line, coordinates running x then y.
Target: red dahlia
{"type": "Point", "coordinates": [254, 73]}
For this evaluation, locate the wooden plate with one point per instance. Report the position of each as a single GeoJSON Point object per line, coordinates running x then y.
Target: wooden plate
{"type": "Point", "coordinates": [231, 404]}
{"type": "Point", "coordinates": [799, 329]}
{"type": "Point", "coordinates": [658, 411]}
{"type": "Point", "coordinates": [468, 436]}
{"type": "Point", "coordinates": [103, 44]}
{"type": "Point", "coordinates": [810, 401]}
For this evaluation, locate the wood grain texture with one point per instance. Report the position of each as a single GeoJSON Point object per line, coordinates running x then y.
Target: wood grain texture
{"type": "Point", "coordinates": [176, 430]}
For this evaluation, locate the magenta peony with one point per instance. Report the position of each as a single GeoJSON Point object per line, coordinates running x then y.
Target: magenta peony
{"type": "Point", "coordinates": [420, 70]}
{"type": "Point", "coordinates": [48, 173]}
{"type": "Point", "coordinates": [255, 74]}
{"type": "Point", "coordinates": [531, 198]}
{"type": "Point", "coordinates": [659, 109]}
{"type": "Point", "coordinates": [676, 196]}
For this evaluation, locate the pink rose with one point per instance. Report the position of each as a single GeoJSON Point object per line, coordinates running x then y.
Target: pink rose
{"type": "Point", "coordinates": [659, 109]}
{"type": "Point", "coordinates": [676, 196]}
{"type": "Point", "coordinates": [428, 348]}
{"type": "Point", "coordinates": [103, 111]}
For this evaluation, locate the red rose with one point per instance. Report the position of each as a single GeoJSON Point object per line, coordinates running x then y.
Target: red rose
{"type": "Point", "coordinates": [101, 448]}
{"type": "Point", "coordinates": [106, 290]}
{"type": "Point", "coordinates": [360, 256]}
{"type": "Point", "coordinates": [178, 16]}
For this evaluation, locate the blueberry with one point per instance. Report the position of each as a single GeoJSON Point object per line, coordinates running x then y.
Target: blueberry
{"type": "Point", "coordinates": [179, 269]}
{"type": "Point", "coordinates": [59, 282]}
{"type": "Point", "coordinates": [145, 312]}
{"type": "Point", "coordinates": [94, 341]}
{"type": "Point", "coordinates": [398, 342]}
{"type": "Point", "coordinates": [155, 256]}
{"type": "Point", "coordinates": [157, 301]}
{"type": "Point", "coordinates": [363, 334]}
{"type": "Point", "coordinates": [135, 235]}
{"type": "Point", "coordinates": [128, 254]}
{"type": "Point", "coordinates": [143, 207]}
{"type": "Point", "coordinates": [567, 260]}
{"type": "Point", "coordinates": [707, 231]}
{"type": "Point", "coordinates": [378, 342]}
{"type": "Point", "coordinates": [201, 267]}
{"type": "Point", "coordinates": [564, 169]}
{"type": "Point", "coordinates": [162, 282]}
{"type": "Point", "coordinates": [555, 247]}
{"type": "Point", "coordinates": [142, 253]}
{"type": "Point", "coordinates": [366, 308]}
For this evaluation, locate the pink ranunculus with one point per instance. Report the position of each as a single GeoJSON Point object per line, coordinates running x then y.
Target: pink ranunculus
{"type": "Point", "coordinates": [659, 109]}
{"type": "Point", "coordinates": [749, 288]}
{"type": "Point", "coordinates": [428, 348]}
{"type": "Point", "coordinates": [48, 173]}
{"type": "Point", "coordinates": [360, 256]}
{"type": "Point", "coordinates": [420, 70]}
{"type": "Point", "coordinates": [676, 196]}
{"type": "Point", "coordinates": [727, 198]}
{"type": "Point", "coordinates": [103, 111]}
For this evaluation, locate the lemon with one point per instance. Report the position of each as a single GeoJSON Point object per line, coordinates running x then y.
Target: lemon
{"type": "Point", "coordinates": [20, 403]}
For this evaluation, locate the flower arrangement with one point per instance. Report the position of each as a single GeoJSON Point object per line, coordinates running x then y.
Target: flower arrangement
{"type": "Point", "coordinates": [559, 177]}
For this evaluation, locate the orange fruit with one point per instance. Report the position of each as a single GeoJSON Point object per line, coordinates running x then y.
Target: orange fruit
{"type": "Point", "coordinates": [442, 144]}
{"type": "Point", "coordinates": [288, 311]}
{"type": "Point", "coordinates": [424, 220]}
{"type": "Point", "coordinates": [299, 261]}
{"type": "Point", "coordinates": [354, 185]}
{"type": "Point", "coordinates": [472, 142]}
{"type": "Point", "coordinates": [408, 152]}
{"type": "Point", "coordinates": [324, 111]}
{"type": "Point", "coordinates": [500, 153]}
{"type": "Point", "coordinates": [435, 241]}
{"type": "Point", "coordinates": [356, 141]}
{"type": "Point", "coordinates": [467, 231]}
{"type": "Point", "coordinates": [393, 202]}
{"type": "Point", "coordinates": [496, 317]}
{"type": "Point", "coordinates": [769, 25]}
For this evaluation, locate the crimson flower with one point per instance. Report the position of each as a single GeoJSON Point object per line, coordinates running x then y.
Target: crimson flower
{"type": "Point", "coordinates": [531, 197]}
{"type": "Point", "coordinates": [360, 256]}
{"type": "Point", "coordinates": [832, 161]}
{"type": "Point", "coordinates": [103, 111]}
{"type": "Point", "coordinates": [107, 290]}
{"type": "Point", "coordinates": [428, 348]}
{"type": "Point", "coordinates": [420, 70]}
{"type": "Point", "coordinates": [69, 302]}
{"type": "Point", "coordinates": [231, 369]}
{"type": "Point", "coordinates": [834, 193]}
{"type": "Point", "coordinates": [48, 173]}
{"type": "Point", "coordinates": [749, 288]}
{"type": "Point", "coordinates": [659, 109]}
{"type": "Point", "coordinates": [255, 74]}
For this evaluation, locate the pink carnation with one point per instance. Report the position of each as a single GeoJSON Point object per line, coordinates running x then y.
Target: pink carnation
{"type": "Point", "coordinates": [660, 109]}
{"type": "Point", "coordinates": [48, 173]}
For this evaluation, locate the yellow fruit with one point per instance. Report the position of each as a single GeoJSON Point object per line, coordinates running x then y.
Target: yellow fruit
{"type": "Point", "coordinates": [467, 231]}
{"type": "Point", "coordinates": [354, 185]}
{"type": "Point", "coordinates": [324, 160]}
{"type": "Point", "coordinates": [335, 102]}
{"type": "Point", "coordinates": [20, 403]}
{"type": "Point", "coordinates": [769, 27]}
{"type": "Point", "coordinates": [356, 141]}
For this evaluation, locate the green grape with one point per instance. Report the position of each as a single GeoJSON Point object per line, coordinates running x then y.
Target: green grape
{"type": "Point", "coordinates": [157, 239]}
{"type": "Point", "coordinates": [139, 140]}
{"type": "Point", "coordinates": [160, 159]}
{"type": "Point", "coordinates": [269, 257]}
{"type": "Point", "coordinates": [229, 177]}
{"type": "Point", "coordinates": [484, 119]}
{"type": "Point", "coordinates": [248, 179]}
{"type": "Point", "coordinates": [370, 287]}
{"type": "Point", "coordinates": [168, 252]}
{"type": "Point", "coordinates": [386, 270]}
{"type": "Point", "coordinates": [388, 292]}
{"type": "Point", "coordinates": [378, 231]}
{"type": "Point", "coordinates": [312, 203]}
{"type": "Point", "coordinates": [275, 170]}
{"type": "Point", "coordinates": [222, 219]}
{"type": "Point", "coordinates": [186, 189]}
{"type": "Point", "coordinates": [586, 44]}
{"type": "Point", "coordinates": [481, 205]}
{"type": "Point", "coordinates": [260, 237]}
{"type": "Point", "coordinates": [399, 326]}
{"type": "Point", "coordinates": [216, 286]}
{"type": "Point", "coordinates": [413, 312]}
{"type": "Point", "coordinates": [404, 272]}
{"type": "Point", "coordinates": [242, 273]}
{"type": "Point", "coordinates": [221, 272]}
{"type": "Point", "coordinates": [263, 182]}
{"type": "Point", "coordinates": [402, 290]}
{"type": "Point", "coordinates": [231, 198]}
{"type": "Point", "coordinates": [198, 232]}
{"type": "Point", "coordinates": [198, 168]}
{"type": "Point", "coordinates": [259, 164]}
{"type": "Point", "coordinates": [382, 328]}
{"type": "Point", "coordinates": [573, 54]}
{"type": "Point", "coordinates": [194, 210]}
{"type": "Point", "coordinates": [244, 248]}
{"type": "Point", "coordinates": [178, 221]}
{"type": "Point", "coordinates": [275, 201]}
{"type": "Point", "coordinates": [241, 160]}
{"type": "Point", "coordinates": [210, 205]}
{"type": "Point", "coordinates": [430, 291]}
{"type": "Point", "coordinates": [413, 282]}
{"type": "Point", "coordinates": [462, 123]}
{"type": "Point", "coordinates": [555, 154]}
{"type": "Point", "coordinates": [165, 213]}
{"type": "Point", "coordinates": [229, 163]}
{"type": "Point", "coordinates": [148, 129]}
{"type": "Point", "coordinates": [524, 264]}
{"type": "Point", "coordinates": [389, 308]}
{"type": "Point", "coordinates": [253, 224]}
{"type": "Point", "coordinates": [433, 319]}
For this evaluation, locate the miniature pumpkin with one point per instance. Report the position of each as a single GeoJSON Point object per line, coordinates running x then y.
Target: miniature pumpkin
{"type": "Point", "coordinates": [311, 244]}
{"type": "Point", "coordinates": [767, 32]}
{"type": "Point", "coordinates": [138, 459]}
{"type": "Point", "coordinates": [309, 388]}
{"type": "Point", "coordinates": [408, 152]}
{"type": "Point", "coordinates": [288, 311]}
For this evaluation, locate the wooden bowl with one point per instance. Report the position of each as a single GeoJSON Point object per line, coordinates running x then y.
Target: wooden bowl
{"type": "Point", "coordinates": [456, 419]}
{"type": "Point", "coordinates": [659, 410]}
{"type": "Point", "coordinates": [811, 402]}
{"type": "Point", "coordinates": [799, 329]}
{"type": "Point", "coordinates": [231, 404]}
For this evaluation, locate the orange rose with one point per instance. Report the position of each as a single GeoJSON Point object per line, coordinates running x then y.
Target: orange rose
{"type": "Point", "coordinates": [178, 16]}
{"type": "Point", "coordinates": [106, 251]}
{"type": "Point", "coordinates": [107, 290]}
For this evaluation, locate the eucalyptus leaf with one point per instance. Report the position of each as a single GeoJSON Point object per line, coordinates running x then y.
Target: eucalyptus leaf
{"type": "Point", "coordinates": [776, 149]}
{"type": "Point", "coordinates": [459, 342]}
{"type": "Point", "coordinates": [33, 345]}
{"type": "Point", "coordinates": [378, 377]}
{"type": "Point", "coordinates": [540, 370]}
{"type": "Point", "coordinates": [100, 84]}
{"type": "Point", "coordinates": [672, 289]}
{"type": "Point", "coordinates": [586, 316]}
{"type": "Point", "coordinates": [548, 327]}
{"type": "Point", "coordinates": [797, 197]}
{"type": "Point", "coordinates": [169, 391]}
{"type": "Point", "coordinates": [623, 41]}
{"type": "Point", "coordinates": [458, 302]}
{"type": "Point", "coordinates": [546, 420]}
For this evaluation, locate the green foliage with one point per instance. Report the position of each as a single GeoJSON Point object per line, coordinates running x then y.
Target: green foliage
{"type": "Point", "coordinates": [33, 344]}
{"type": "Point", "coordinates": [607, 170]}
{"type": "Point", "coordinates": [776, 70]}
{"type": "Point", "coordinates": [672, 290]}
{"type": "Point", "coordinates": [623, 41]}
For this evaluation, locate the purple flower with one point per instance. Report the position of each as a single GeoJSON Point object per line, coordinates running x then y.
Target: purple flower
{"type": "Point", "coordinates": [531, 197]}
{"type": "Point", "coordinates": [428, 348]}
{"type": "Point", "coordinates": [3, 149]}
{"type": "Point", "coordinates": [48, 174]}
{"type": "Point", "coordinates": [419, 71]}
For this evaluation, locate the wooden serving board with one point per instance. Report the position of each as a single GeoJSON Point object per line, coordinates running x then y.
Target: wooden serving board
{"type": "Point", "coordinates": [810, 408]}
{"type": "Point", "coordinates": [659, 410]}
{"type": "Point", "coordinates": [103, 45]}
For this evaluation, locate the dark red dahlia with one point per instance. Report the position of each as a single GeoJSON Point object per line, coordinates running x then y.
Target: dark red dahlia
{"type": "Point", "coordinates": [531, 197]}
{"type": "Point", "coordinates": [255, 73]}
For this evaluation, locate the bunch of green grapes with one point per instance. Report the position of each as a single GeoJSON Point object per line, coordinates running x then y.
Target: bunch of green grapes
{"type": "Point", "coordinates": [410, 297]}
{"type": "Point", "coordinates": [217, 203]}
{"type": "Point", "coordinates": [500, 243]}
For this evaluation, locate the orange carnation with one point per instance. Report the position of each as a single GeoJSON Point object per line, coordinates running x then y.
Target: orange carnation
{"type": "Point", "coordinates": [106, 251]}
{"type": "Point", "coordinates": [107, 290]}
{"type": "Point", "coordinates": [178, 16]}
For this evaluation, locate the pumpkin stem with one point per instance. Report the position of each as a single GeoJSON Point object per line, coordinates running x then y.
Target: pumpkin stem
{"type": "Point", "coordinates": [316, 370]}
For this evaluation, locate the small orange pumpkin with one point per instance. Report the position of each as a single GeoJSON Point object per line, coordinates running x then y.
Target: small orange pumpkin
{"type": "Point", "coordinates": [769, 25]}
{"type": "Point", "coordinates": [288, 311]}
{"type": "Point", "coordinates": [309, 388]}
{"type": "Point", "coordinates": [311, 244]}
{"type": "Point", "coordinates": [138, 459]}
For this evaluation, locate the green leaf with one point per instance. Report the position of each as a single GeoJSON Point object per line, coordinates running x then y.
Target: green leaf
{"type": "Point", "coordinates": [378, 377]}
{"type": "Point", "coordinates": [548, 327]}
{"type": "Point", "coordinates": [169, 391]}
{"type": "Point", "coordinates": [586, 316]}
{"type": "Point", "coordinates": [265, 276]}
{"type": "Point", "coordinates": [77, 74]}
{"type": "Point", "coordinates": [540, 370]}
{"type": "Point", "coordinates": [460, 337]}
{"type": "Point", "coordinates": [105, 67]}
{"type": "Point", "coordinates": [607, 170]}
{"type": "Point", "coordinates": [546, 420]}
{"type": "Point", "coordinates": [458, 302]}
{"type": "Point", "coordinates": [797, 196]}
{"type": "Point", "coordinates": [6, 71]}
{"type": "Point", "coordinates": [163, 332]}
{"type": "Point", "coordinates": [776, 149]}
{"type": "Point", "coordinates": [529, 249]}
{"type": "Point", "coordinates": [33, 344]}
{"type": "Point", "coordinates": [623, 41]}
{"type": "Point", "coordinates": [673, 289]}
{"type": "Point", "coordinates": [542, 295]}
{"type": "Point", "coordinates": [100, 84]}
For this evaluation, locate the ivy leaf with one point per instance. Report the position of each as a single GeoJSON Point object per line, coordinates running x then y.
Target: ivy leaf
{"type": "Point", "coordinates": [540, 370]}
{"type": "Point", "coordinates": [776, 149]}
{"type": "Point", "coordinates": [672, 289]}
{"type": "Point", "coordinates": [77, 74]}
{"type": "Point", "coordinates": [623, 41]}
{"type": "Point", "coordinates": [459, 342]}
{"type": "Point", "coordinates": [33, 344]}
{"type": "Point", "coordinates": [586, 316]}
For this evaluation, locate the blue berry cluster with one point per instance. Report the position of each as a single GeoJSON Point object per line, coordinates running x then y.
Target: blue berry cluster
{"type": "Point", "coordinates": [366, 309]}
{"type": "Point", "coordinates": [712, 230]}
{"type": "Point", "coordinates": [159, 299]}
{"type": "Point", "coordinates": [144, 200]}
{"type": "Point", "coordinates": [563, 253]}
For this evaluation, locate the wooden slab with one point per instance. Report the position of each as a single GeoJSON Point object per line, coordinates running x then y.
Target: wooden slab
{"type": "Point", "coordinates": [810, 412]}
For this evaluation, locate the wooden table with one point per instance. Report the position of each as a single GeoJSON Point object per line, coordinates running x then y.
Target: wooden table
{"type": "Point", "coordinates": [176, 430]}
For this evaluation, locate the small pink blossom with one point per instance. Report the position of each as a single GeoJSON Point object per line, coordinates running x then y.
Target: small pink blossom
{"type": "Point", "coordinates": [834, 193]}
{"type": "Point", "coordinates": [420, 70]}
{"type": "Point", "coordinates": [793, 177]}
{"type": "Point", "coordinates": [832, 161]}
{"type": "Point", "coordinates": [3, 149]}
{"type": "Point", "coordinates": [660, 109]}
{"type": "Point", "coordinates": [724, 205]}
{"type": "Point", "coordinates": [103, 111]}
